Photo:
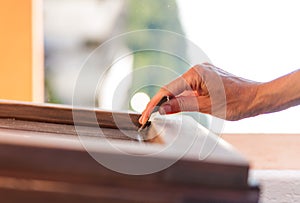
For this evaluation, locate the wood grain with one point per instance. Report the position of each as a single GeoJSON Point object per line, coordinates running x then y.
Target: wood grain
{"type": "Point", "coordinates": [37, 155]}
{"type": "Point", "coordinates": [43, 158]}
{"type": "Point", "coordinates": [74, 164]}
{"type": "Point", "coordinates": [14, 190]}
{"type": "Point", "coordinates": [62, 174]}
{"type": "Point", "coordinates": [61, 114]}
{"type": "Point", "coordinates": [64, 129]}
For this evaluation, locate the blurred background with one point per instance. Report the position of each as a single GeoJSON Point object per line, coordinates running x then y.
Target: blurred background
{"type": "Point", "coordinates": [258, 40]}
{"type": "Point", "coordinates": [73, 29]}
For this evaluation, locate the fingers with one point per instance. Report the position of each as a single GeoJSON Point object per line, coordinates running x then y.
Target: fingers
{"type": "Point", "coordinates": [172, 89]}
{"type": "Point", "coordinates": [189, 81]}
{"type": "Point", "coordinates": [190, 103]}
{"type": "Point", "coordinates": [151, 105]}
{"type": "Point", "coordinates": [178, 85]}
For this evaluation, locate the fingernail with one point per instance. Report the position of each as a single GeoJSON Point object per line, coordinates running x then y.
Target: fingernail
{"type": "Point", "coordinates": [140, 119]}
{"type": "Point", "coordinates": [164, 109]}
{"type": "Point", "coordinates": [144, 120]}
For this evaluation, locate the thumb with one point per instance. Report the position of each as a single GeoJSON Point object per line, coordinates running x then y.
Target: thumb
{"type": "Point", "coordinates": [179, 104]}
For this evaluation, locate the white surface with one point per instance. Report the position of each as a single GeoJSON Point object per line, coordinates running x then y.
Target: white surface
{"type": "Point", "coordinates": [69, 21]}
{"type": "Point", "coordinates": [116, 85]}
{"type": "Point", "coordinates": [258, 40]}
{"type": "Point", "coordinates": [278, 186]}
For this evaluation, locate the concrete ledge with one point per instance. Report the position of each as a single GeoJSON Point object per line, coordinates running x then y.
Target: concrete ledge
{"type": "Point", "coordinates": [268, 151]}
{"type": "Point", "coordinates": [278, 186]}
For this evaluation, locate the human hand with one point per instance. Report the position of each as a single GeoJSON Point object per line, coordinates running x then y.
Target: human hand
{"type": "Point", "coordinates": [207, 89]}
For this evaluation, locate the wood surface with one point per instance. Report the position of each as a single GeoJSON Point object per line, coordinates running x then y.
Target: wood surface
{"type": "Point", "coordinates": [63, 114]}
{"type": "Point", "coordinates": [64, 129]}
{"type": "Point", "coordinates": [14, 190]}
{"type": "Point", "coordinates": [59, 168]}
{"type": "Point", "coordinates": [65, 158]}
{"type": "Point", "coordinates": [44, 157]}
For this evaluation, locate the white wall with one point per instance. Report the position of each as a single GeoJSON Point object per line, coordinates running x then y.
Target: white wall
{"type": "Point", "coordinates": [255, 39]}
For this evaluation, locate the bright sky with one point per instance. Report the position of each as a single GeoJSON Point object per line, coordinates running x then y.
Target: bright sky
{"type": "Point", "coordinates": [255, 39]}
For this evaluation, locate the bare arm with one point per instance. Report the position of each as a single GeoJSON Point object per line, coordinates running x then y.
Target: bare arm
{"type": "Point", "coordinates": [278, 94]}
{"type": "Point", "coordinates": [208, 89]}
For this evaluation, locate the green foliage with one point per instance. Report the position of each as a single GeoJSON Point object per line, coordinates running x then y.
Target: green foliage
{"type": "Point", "coordinates": [161, 15]}
{"type": "Point", "coordinates": [50, 96]}
{"type": "Point", "coordinates": [153, 14]}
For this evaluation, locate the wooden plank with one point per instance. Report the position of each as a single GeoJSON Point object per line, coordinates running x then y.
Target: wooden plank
{"type": "Point", "coordinates": [64, 129]}
{"type": "Point", "coordinates": [62, 114]}
{"type": "Point", "coordinates": [61, 130]}
{"type": "Point", "coordinates": [79, 167]}
{"type": "Point", "coordinates": [14, 190]}
{"type": "Point", "coordinates": [41, 150]}
{"type": "Point", "coordinates": [44, 156]}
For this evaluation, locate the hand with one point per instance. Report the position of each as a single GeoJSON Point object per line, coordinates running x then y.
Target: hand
{"type": "Point", "coordinates": [207, 89]}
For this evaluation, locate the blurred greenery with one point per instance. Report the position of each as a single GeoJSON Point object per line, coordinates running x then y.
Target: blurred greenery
{"type": "Point", "coordinates": [50, 92]}
{"type": "Point", "coordinates": [147, 15]}
{"type": "Point", "coordinates": [160, 15]}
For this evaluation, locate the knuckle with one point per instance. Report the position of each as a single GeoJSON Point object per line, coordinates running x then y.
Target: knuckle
{"type": "Point", "coordinates": [206, 64]}
{"type": "Point", "coordinates": [165, 90]}
{"type": "Point", "coordinates": [201, 68]}
{"type": "Point", "coordinates": [197, 68]}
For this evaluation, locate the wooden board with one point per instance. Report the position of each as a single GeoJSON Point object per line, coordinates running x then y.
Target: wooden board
{"type": "Point", "coordinates": [63, 114]}
{"type": "Point", "coordinates": [14, 190]}
{"type": "Point", "coordinates": [45, 158]}
{"type": "Point", "coordinates": [64, 129]}
{"type": "Point", "coordinates": [63, 161]}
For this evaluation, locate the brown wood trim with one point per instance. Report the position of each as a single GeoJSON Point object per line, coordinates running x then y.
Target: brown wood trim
{"type": "Point", "coordinates": [77, 166]}
{"type": "Point", "coordinates": [61, 114]}
{"type": "Point", "coordinates": [14, 190]}
{"type": "Point", "coordinates": [61, 130]}
{"type": "Point", "coordinates": [41, 158]}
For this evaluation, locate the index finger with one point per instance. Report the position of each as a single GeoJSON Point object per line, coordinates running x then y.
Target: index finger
{"type": "Point", "coordinates": [172, 89]}
{"type": "Point", "coordinates": [152, 104]}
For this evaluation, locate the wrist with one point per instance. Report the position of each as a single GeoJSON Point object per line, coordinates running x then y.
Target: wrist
{"type": "Point", "coordinates": [255, 104]}
{"type": "Point", "coordinates": [264, 98]}
{"type": "Point", "coordinates": [278, 94]}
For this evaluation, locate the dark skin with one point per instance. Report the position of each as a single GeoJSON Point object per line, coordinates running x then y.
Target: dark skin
{"type": "Point", "coordinates": [211, 90]}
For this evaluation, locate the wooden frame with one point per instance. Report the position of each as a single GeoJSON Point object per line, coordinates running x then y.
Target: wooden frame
{"type": "Point", "coordinates": [56, 166]}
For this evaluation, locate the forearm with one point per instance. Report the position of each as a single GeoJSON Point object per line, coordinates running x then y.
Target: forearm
{"type": "Point", "coordinates": [278, 94]}
{"type": "Point", "coordinates": [244, 98]}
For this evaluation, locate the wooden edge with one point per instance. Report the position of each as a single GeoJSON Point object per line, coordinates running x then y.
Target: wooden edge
{"type": "Point", "coordinates": [44, 156]}
{"type": "Point", "coordinates": [14, 190]}
{"type": "Point", "coordinates": [56, 164]}
{"type": "Point", "coordinates": [62, 114]}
